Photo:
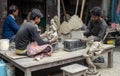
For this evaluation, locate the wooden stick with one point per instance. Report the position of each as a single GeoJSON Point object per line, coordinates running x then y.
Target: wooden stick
{"type": "Point", "coordinates": [77, 7]}
{"type": "Point", "coordinates": [64, 9]}
{"type": "Point", "coordinates": [82, 8]}
{"type": "Point", "coordinates": [58, 8]}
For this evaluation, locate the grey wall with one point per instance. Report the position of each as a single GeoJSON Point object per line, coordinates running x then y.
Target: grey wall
{"type": "Point", "coordinates": [3, 13]}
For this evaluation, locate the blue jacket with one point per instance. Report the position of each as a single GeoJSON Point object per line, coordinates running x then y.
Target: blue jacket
{"type": "Point", "coordinates": [10, 27]}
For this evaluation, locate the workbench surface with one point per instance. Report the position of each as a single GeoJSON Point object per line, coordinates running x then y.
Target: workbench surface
{"type": "Point", "coordinates": [59, 58]}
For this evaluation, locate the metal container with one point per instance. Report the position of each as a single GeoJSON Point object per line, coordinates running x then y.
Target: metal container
{"type": "Point", "coordinates": [73, 44]}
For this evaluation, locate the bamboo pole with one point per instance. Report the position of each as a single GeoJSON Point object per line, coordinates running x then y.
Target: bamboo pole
{"type": "Point", "coordinates": [58, 8]}
{"type": "Point", "coordinates": [77, 7]}
{"type": "Point", "coordinates": [64, 11]}
{"type": "Point", "coordinates": [82, 8]}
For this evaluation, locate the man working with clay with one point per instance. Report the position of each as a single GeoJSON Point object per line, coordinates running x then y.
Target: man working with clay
{"type": "Point", "coordinates": [28, 41]}
{"type": "Point", "coordinates": [96, 27]}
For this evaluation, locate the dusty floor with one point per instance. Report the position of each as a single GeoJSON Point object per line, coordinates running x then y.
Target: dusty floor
{"type": "Point", "coordinates": [115, 71]}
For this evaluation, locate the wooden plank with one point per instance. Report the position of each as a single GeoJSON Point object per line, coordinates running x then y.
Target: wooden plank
{"type": "Point", "coordinates": [110, 59]}
{"type": "Point", "coordinates": [53, 64]}
{"type": "Point", "coordinates": [28, 73]}
{"type": "Point", "coordinates": [61, 55]}
{"type": "Point", "coordinates": [59, 58]}
{"type": "Point", "coordinates": [13, 55]}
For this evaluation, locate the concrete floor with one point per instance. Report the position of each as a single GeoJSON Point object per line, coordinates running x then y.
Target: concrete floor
{"type": "Point", "coordinates": [115, 71]}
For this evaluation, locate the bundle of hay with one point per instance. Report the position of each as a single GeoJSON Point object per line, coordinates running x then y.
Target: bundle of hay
{"type": "Point", "coordinates": [65, 28]}
{"type": "Point", "coordinates": [75, 22]}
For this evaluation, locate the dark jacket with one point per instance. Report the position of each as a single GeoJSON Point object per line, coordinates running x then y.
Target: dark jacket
{"type": "Point", "coordinates": [26, 34]}
{"type": "Point", "coordinates": [97, 29]}
{"type": "Point", "coordinates": [10, 27]}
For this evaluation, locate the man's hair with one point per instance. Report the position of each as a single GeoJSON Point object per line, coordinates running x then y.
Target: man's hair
{"type": "Point", "coordinates": [12, 9]}
{"type": "Point", "coordinates": [35, 13]}
{"type": "Point", "coordinates": [96, 11]}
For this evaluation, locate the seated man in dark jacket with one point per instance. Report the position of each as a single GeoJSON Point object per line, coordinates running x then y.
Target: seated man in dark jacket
{"type": "Point", "coordinates": [96, 27]}
{"type": "Point", "coordinates": [28, 41]}
{"type": "Point", "coordinates": [10, 26]}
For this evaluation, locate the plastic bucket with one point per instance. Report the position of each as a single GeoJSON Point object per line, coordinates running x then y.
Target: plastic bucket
{"type": "Point", "coordinates": [4, 44]}
{"type": "Point", "coordinates": [111, 41]}
{"type": "Point", "coordinates": [3, 69]}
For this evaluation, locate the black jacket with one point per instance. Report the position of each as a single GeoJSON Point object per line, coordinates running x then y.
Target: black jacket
{"type": "Point", "coordinates": [97, 29]}
{"type": "Point", "coordinates": [26, 34]}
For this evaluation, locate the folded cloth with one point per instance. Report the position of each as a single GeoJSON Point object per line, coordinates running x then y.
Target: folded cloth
{"type": "Point", "coordinates": [39, 51]}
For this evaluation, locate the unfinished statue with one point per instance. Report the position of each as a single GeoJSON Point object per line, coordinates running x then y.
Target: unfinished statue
{"type": "Point", "coordinates": [92, 49]}
{"type": "Point", "coordinates": [52, 30]}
